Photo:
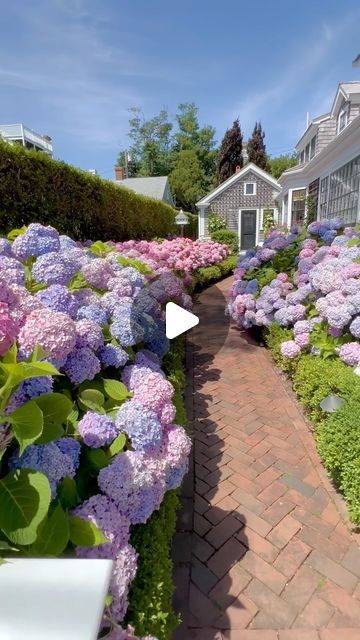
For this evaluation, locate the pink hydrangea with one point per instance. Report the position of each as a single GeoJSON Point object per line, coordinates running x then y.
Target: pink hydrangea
{"type": "Point", "coordinates": [350, 353]}
{"type": "Point", "coordinates": [302, 340]}
{"type": "Point", "coordinates": [54, 332]}
{"type": "Point", "coordinates": [8, 329]}
{"type": "Point", "coordinates": [98, 273]}
{"type": "Point", "coordinates": [290, 349]}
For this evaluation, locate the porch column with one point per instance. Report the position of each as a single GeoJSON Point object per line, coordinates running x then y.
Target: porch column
{"type": "Point", "coordinates": [288, 220]}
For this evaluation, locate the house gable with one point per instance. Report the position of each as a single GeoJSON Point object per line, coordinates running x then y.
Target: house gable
{"type": "Point", "coordinates": [257, 175]}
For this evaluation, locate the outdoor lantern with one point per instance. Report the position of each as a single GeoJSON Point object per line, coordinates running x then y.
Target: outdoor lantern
{"type": "Point", "coordinates": [331, 403]}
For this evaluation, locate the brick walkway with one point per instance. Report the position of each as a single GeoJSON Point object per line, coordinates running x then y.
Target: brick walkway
{"type": "Point", "coordinates": [264, 550]}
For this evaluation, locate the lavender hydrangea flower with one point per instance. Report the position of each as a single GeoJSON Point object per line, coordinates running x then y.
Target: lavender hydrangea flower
{"type": "Point", "coordinates": [290, 349]}
{"type": "Point", "coordinates": [56, 460]}
{"type": "Point", "coordinates": [93, 313]}
{"type": "Point", "coordinates": [350, 353]}
{"type": "Point", "coordinates": [89, 334]}
{"type": "Point", "coordinates": [36, 241]}
{"type": "Point", "coordinates": [5, 248]}
{"type": "Point", "coordinates": [97, 430]}
{"type": "Point", "coordinates": [127, 331]}
{"type": "Point", "coordinates": [355, 327]}
{"type": "Point", "coordinates": [140, 424]}
{"type": "Point", "coordinates": [98, 273]}
{"type": "Point", "coordinates": [81, 364]}
{"type": "Point", "coordinates": [103, 513]}
{"type": "Point", "coordinates": [58, 298]}
{"type": "Point", "coordinates": [12, 270]}
{"type": "Point", "coordinates": [28, 389]}
{"type": "Point", "coordinates": [53, 268]}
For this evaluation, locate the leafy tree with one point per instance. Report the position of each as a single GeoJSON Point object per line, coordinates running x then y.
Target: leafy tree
{"type": "Point", "coordinates": [279, 164]}
{"type": "Point", "coordinates": [191, 137]}
{"type": "Point", "coordinates": [256, 148]}
{"type": "Point", "coordinates": [187, 179]}
{"type": "Point", "coordinates": [230, 154]}
{"type": "Point", "coordinates": [151, 144]}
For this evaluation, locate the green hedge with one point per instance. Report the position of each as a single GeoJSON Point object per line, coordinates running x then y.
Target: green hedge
{"type": "Point", "coordinates": [337, 434]}
{"type": "Point", "coordinates": [35, 188]}
{"type": "Point", "coordinates": [208, 275]}
{"type": "Point", "coordinates": [191, 230]}
{"type": "Point", "coordinates": [150, 601]}
{"type": "Point", "coordinates": [225, 236]}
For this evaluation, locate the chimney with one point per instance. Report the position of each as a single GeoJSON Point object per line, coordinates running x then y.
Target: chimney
{"type": "Point", "coordinates": [119, 173]}
{"type": "Point", "coordinates": [47, 138]}
{"type": "Point", "coordinates": [237, 168]}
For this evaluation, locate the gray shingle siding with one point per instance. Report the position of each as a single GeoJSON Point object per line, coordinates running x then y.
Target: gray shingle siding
{"type": "Point", "coordinates": [326, 132]}
{"type": "Point", "coordinates": [228, 203]}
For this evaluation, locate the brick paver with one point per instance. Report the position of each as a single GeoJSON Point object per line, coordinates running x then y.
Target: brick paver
{"type": "Point", "coordinates": [264, 549]}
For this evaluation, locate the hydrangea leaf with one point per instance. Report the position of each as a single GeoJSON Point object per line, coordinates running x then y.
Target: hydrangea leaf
{"type": "Point", "coordinates": [24, 501]}
{"type": "Point", "coordinates": [53, 535]}
{"type": "Point", "coordinates": [27, 424]}
{"type": "Point", "coordinates": [97, 458]}
{"type": "Point", "coordinates": [11, 355]}
{"type": "Point", "coordinates": [115, 389]}
{"type": "Point", "coordinates": [67, 493]}
{"type": "Point", "coordinates": [56, 408]}
{"type": "Point", "coordinates": [91, 399]}
{"type": "Point", "coordinates": [84, 533]}
{"type": "Point", "coordinates": [5, 546]}
{"type": "Point", "coordinates": [20, 371]}
{"type": "Point", "coordinates": [117, 445]}
{"type": "Point", "coordinates": [14, 233]}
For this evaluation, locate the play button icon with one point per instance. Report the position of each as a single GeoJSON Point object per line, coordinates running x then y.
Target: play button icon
{"type": "Point", "coordinates": [178, 320]}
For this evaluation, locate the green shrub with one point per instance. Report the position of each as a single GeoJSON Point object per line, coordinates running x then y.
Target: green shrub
{"type": "Point", "coordinates": [205, 275]}
{"type": "Point", "coordinates": [274, 336]}
{"type": "Point", "coordinates": [225, 236]}
{"type": "Point", "coordinates": [150, 599]}
{"type": "Point", "coordinates": [191, 230]}
{"type": "Point", "coordinates": [228, 265]}
{"type": "Point", "coordinates": [315, 378]}
{"type": "Point", "coordinates": [35, 188]}
{"type": "Point", "coordinates": [351, 487]}
{"type": "Point", "coordinates": [216, 222]}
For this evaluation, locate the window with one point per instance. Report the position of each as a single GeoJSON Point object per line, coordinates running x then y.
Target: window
{"type": "Point", "coordinates": [312, 147]}
{"type": "Point", "coordinates": [298, 206]}
{"type": "Point", "coordinates": [344, 184]}
{"type": "Point", "coordinates": [323, 196]}
{"type": "Point", "coordinates": [250, 188]}
{"type": "Point", "coordinates": [307, 152]}
{"type": "Point", "coordinates": [343, 118]}
{"type": "Point", "coordinates": [302, 157]}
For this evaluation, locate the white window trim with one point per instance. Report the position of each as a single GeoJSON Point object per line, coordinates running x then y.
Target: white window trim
{"type": "Point", "coordinates": [250, 194]}
{"type": "Point", "coordinates": [344, 111]}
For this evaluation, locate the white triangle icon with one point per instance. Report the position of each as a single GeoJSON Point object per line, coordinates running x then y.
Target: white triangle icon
{"type": "Point", "coordinates": [178, 320]}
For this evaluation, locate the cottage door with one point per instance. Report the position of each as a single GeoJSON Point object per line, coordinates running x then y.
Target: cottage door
{"type": "Point", "coordinates": [248, 229]}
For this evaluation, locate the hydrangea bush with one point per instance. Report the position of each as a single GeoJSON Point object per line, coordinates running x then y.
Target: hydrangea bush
{"type": "Point", "coordinates": [88, 440]}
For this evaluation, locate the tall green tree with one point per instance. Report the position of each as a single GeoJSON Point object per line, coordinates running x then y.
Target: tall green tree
{"type": "Point", "coordinates": [230, 154]}
{"type": "Point", "coordinates": [279, 164]}
{"type": "Point", "coordinates": [187, 180]}
{"type": "Point", "coordinates": [151, 141]}
{"type": "Point", "coordinates": [191, 137]}
{"type": "Point", "coordinates": [256, 148]}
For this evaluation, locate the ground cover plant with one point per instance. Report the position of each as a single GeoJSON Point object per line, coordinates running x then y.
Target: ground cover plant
{"type": "Point", "coordinates": [92, 443]}
{"type": "Point", "coordinates": [303, 288]}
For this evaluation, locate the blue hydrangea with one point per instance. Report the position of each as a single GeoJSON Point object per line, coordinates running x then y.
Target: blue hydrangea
{"type": "Point", "coordinates": [175, 476]}
{"type": "Point", "coordinates": [67, 243]}
{"type": "Point", "coordinates": [5, 248]}
{"type": "Point", "coordinates": [127, 332]}
{"type": "Point", "coordinates": [82, 364]}
{"type": "Point", "coordinates": [36, 241]}
{"type": "Point", "coordinates": [328, 236]}
{"type": "Point", "coordinates": [97, 430]}
{"type": "Point", "coordinates": [134, 276]}
{"type": "Point", "coordinates": [159, 343]}
{"type": "Point", "coordinates": [28, 389]}
{"type": "Point", "coordinates": [337, 224]}
{"type": "Point", "coordinates": [57, 460]}
{"type": "Point", "coordinates": [58, 298]}
{"type": "Point", "coordinates": [112, 356]}
{"type": "Point", "coordinates": [92, 312]}
{"type": "Point", "coordinates": [53, 268]}
{"type": "Point", "coordinates": [252, 286]}
{"type": "Point", "coordinates": [140, 424]}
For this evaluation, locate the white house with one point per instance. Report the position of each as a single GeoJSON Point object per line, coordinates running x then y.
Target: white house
{"type": "Point", "coordinates": [20, 134]}
{"type": "Point", "coordinates": [241, 201]}
{"type": "Point", "coordinates": [329, 163]}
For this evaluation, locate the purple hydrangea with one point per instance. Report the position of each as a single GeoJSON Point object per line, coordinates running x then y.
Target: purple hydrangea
{"type": "Point", "coordinates": [113, 356]}
{"type": "Point", "coordinates": [28, 389]}
{"type": "Point", "coordinates": [12, 270]}
{"type": "Point", "coordinates": [58, 298]}
{"type": "Point", "coordinates": [53, 268]}
{"type": "Point", "coordinates": [98, 273]}
{"type": "Point", "coordinates": [140, 424]}
{"type": "Point", "coordinates": [81, 364]}
{"type": "Point", "coordinates": [127, 331]}
{"type": "Point", "coordinates": [97, 430]}
{"type": "Point", "coordinates": [350, 353]}
{"type": "Point", "coordinates": [89, 334]}
{"type": "Point", "coordinates": [93, 313]}
{"type": "Point", "coordinates": [355, 327]}
{"type": "Point", "coordinates": [5, 248]}
{"type": "Point", "coordinates": [103, 513]}
{"type": "Point", "coordinates": [289, 349]}
{"type": "Point", "coordinates": [57, 460]}
{"type": "Point", "coordinates": [36, 241]}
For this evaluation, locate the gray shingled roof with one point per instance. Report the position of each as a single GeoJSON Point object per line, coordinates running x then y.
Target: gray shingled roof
{"type": "Point", "coordinates": [153, 187]}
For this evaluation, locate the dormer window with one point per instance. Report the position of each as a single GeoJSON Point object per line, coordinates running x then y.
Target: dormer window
{"type": "Point", "coordinates": [250, 188]}
{"type": "Point", "coordinates": [343, 118]}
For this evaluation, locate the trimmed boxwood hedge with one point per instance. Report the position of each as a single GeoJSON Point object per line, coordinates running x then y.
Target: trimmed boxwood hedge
{"type": "Point", "coordinates": [35, 188]}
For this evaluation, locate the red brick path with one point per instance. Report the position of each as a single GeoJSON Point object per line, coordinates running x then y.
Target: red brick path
{"type": "Point", "coordinates": [264, 550]}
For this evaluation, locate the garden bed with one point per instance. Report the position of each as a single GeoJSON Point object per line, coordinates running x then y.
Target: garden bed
{"type": "Point", "coordinates": [303, 290]}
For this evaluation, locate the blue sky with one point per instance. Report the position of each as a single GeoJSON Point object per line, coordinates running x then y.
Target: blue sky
{"type": "Point", "coordinates": [72, 68]}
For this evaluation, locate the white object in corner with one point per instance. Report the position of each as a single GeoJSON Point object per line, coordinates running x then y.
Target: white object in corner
{"type": "Point", "coordinates": [57, 599]}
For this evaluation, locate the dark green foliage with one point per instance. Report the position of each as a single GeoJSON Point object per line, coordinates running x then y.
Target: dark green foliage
{"type": "Point", "coordinates": [338, 439]}
{"type": "Point", "coordinates": [207, 275]}
{"type": "Point", "coordinates": [191, 230]}
{"type": "Point", "coordinates": [35, 188]}
{"type": "Point", "coordinates": [225, 236]}
{"type": "Point", "coordinates": [274, 336]}
{"type": "Point", "coordinates": [350, 484]}
{"type": "Point", "coordinates": [228, 265]}
{"type": "Point", "coordinates": [311, 208]}
{"type": "Point", "coordinates": [282, 163]}
{"type": "Point", "coordinates": [150, 601]}
{"type": "Point", "coordinates": [187, 179]}
{"type": "Point", "coordinates": [256, 148]}
{"type": "Point", "coordinates": [216, 222]}
{"type": "Point", "coordinates": [230, 154]}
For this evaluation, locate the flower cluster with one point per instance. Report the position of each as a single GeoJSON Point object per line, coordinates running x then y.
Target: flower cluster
{"type": "Point", "coordinates": [96, 318]}
{"type": "Point", "coordinates": [321, 287]}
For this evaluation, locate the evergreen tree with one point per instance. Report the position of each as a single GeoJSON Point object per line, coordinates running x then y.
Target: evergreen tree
{"type": "Point", "coordinates": [256, 148]}
{"type": "Point", "coordinates": [230, 154]}
{"type": "Point", "coordinates": [187, 180]}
